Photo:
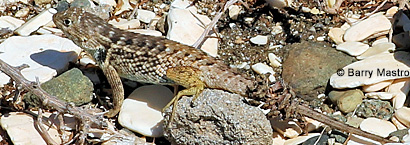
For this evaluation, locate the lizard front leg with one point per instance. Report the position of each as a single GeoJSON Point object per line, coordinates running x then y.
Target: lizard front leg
{"type": "Point", "coordinates": [116, 85]}
{"type": "Point", "coordinates": [187, 77]}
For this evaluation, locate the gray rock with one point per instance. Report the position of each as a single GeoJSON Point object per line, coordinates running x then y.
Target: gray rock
{"type": "Point", "coordinates": [375, 108]}
{"type": "Point", "coordinates": [308, 66]}
{"type": "Point", "coordinates": [347, 100]}
{"type": "Point", "coordinates": [71, 86]}
{"type": "Point", "coordinates": [217, 117]}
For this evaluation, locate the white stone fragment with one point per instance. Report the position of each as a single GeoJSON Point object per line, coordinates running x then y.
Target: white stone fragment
{"type": "Point", "coordinates": [380, 40]}
{"type": "Point", "coordinates": [234, 11]}
{"type": "Point", "coordinates": [401, 88]}
{"type": "Point", "coordinates": [387, 61]}
{"type": "Point", "coordinates": [336, 34]}
{"type": "Point", "coordinates": [288, 129]}
{"type": "Point", "coordinates": [186, 29]}
{"type": "Point", "coordinates": [124, 7]}
{"type": "Point", "coordinates": [145, 15]}
{"type": "Point", "coordinates": [22, 12]}
{"type": "Point", "coordinates": [36, 22]}
{"type": "Point", "coordinates": [377, 49]}
{"type": "Point", "coordinates": [367, 27]}
{"type": "Point", "coordinates": [46, 55]}
{"type": "Point", "coordinates": [397, 123]}
{"type": "Point", "coordinates": [147, 32]}
{"type": "Point", "coordinates": [390, 12]}
{"type": "Point", "coordinates": [380, 95]}
{"type": "Point", "coordinates": [353, 48]}
{"type": "Point", "coordinates": [141, 111]}
{"type": "Point", "coordinates": [312, 124]}
{"type": "Point", "coordinates": [21, 129]}
{"type": "Point", "coordinates": [345, 26]}
{"type": "Point", "coordinates": [403, 115]}
{"type": "Point", "coordinates": [274, 60]}
{"type": "Point", "coordinates": [259, 40]}
{"type": "Point", "coordinates": [377, 86]}
{"type": "Point", "coordinates": [262, 68]}
{"type": "Point", "coordinates": [10, 22]}
{"type": "Point", "coordinates": [278, 3]}
{"type": "Point", "coordinates": [107, 2]}
{"type": "Point", "coordinates": [377, 126]}
{"type": "Point", "coordinates": [124, 24]}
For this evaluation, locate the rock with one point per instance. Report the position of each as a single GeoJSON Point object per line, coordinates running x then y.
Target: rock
{"type": "Point", "coordinates": [354, 121]}
{"type": "Point", "coordinates": [353, 48]}
{"type": "Point", "coordinates": [380, 95]}
{"type": "Point", "coordinates": [262, 68]}
{"type": "Point", "coordinates": [234, 11]}
{"type": "Point", "coordinates": [46, 55]}
{"type": "Point", "coordinates": [42, 2]}
{"type": "Point", "coordinates": [367, 28]}
{"type": "Point", "coordinates": [315, 11]}
{"type": "Point", "coordinates": [403, 115]}
{"type": "Point", "coordinates": [36, 22]}
{"type": "Point", "coordinates": [345, 26]}
{"type": "Point", "coordinates": [375, 108]}
{"type": "Point", "coordinates": [124, 24]}
{"type": "Point", "coordinates": [390, 12]}
{"type": "Point", "coordinates": [287, 129]}
{"type": "Point", "coordinates": [274, 60]}
{"type": "Point", "coordinates": [106, 2]}
{"type": "Point", "coordinates": [22, 12]}
{"type": "Point", "coordinates": [307, 66]}
{"type": "Point", "coordinates": [377, 126]}
{"type": "Point", "coordinates": [71, 86]}
{"type": "Point", "coordinates": [145, 15]}
{"type": "Point", "coordinates": [10, 22]}
{"type": "Point", "coordinates": [397, 123]}
{"type": "Point", "coordinates": [346, 101]}
{"type": "Point", "coordinates": [186, 29]}
{"type": "Point", "coordinates": [389, 62]}
{"type": "Point", "coordinates": [259, 40]}
{"type": "Point", "coordinates": [300, 139]}
{"type": "Point", "coordinates": [400, 20]}
{"type": "Point", "coordinates": [379, 40]}
{"type": "Point", "coordinates": [336, 34]}
{"type": "Point", "coordinates": [141, 111]}
{"type": "Point", "coordinates": [217, 117]}
{"type": "Point", "coordinates": [377, 86]}
{"type": "Point", "coordinates": [401, 88]}
{"type": "Point", "coordinates": [124, 7]}
{"type": "Point", "coordinates": [21, 129]}
{"type": "Point", "coordinates": [147, 32]}
{"type": "Point", "coordinates": [401, 40]}
{"type": "Point", "coordinates": [377, 49]}
{"type": "Point", "coordinates": [279, 3]}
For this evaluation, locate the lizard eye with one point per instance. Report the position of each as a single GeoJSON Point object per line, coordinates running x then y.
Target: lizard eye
{"type": "Point", "coordinates": [67, 22]}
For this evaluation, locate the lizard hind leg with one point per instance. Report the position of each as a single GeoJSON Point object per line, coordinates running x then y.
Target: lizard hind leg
{"type": "Point", "coordinates": [187, 77]}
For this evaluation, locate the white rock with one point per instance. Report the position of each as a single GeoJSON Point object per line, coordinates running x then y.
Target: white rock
{"type": "Point", "coordinates": [345, 26]}
{"type": "Point", "coordinates": [377, 49]}
{"type": "Point", "coordinates": [20, 127]}
{"type": "Point", "coordinates": [377, 86]}
{"type": "Point", "coordinates": [147, 32]}
{"type": "Point", "coordinates": [278, 3]}
{"type": "Point", "coordinates": [401, 88]}
{"type": "Point", "coordinates": [259, 40]}
{"type": "Point", "coordinates": [274, 60]}
{"type": "Point", "coordinates": [367, 28]}
{"type": "Point", "coordinates": [36, 22]}
{"type": "Point", "coordinates": [353, 48]}
{"type": "Point", "coordinates": [401, 40]}
{"type": "Point", "coordinates": [390, 12]}
{"type": "Point", "coordinates": [387, 61]}
{"type": "Point", "coordinates": [262, 68]}
{"type": "Point", "coordinates": [278, 139]}
{"type": "Point", "coordinates": [320, 38]}
{"type": "Point", "coordinates": [336, 34]}
{"type": "Point", "coordinates": [312, 124]}
{"type": "Point", "coordinates": [377, 126]}
{"type": "Point", "coordinates": [288, 129]}
{"type": "Point", "coordinates": [380, 95]}
{"type": "Point", "coordinates": [22, 12]}
{"type": "Point", "coordinates": [145, 15]}
{"type": "Point", "coordinates": [234, 11]}
{"type": "Point", "coordinates": [141, 111]}
{"type": "Point", "coordinates": [300, 139]}
{"type": "Point", "coordinates": [46, 55]}
{"type": "Point", "coordinates": [380, 40]}
{"type": "Point", "coordinates": [397, 123]}
{"type": "Point", "coordinates": [125, 24]}
{"type": "Point", "coordinates": [107, 2]}
{"type": "Point", "coordinates": [330, 3]}
{"type": "Point", "coordinates": [403, 115]}
{"type": "Point", "coordinates": [10, 22]}
{"type": "Point", "coordinates": [124, 7]}
{"type": "Point", "coordinates": [186, 29]}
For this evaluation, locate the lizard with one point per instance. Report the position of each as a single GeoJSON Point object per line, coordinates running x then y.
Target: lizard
{"type": "Point", "coordinates": [148, 59]}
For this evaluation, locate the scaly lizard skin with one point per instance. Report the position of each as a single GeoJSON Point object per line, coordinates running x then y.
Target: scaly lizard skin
{"type": "Point", "coordinates": [146, 58]}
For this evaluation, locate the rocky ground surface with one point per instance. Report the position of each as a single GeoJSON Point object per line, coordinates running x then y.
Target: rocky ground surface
{"type": "Point", "coordinates": [347, 60]}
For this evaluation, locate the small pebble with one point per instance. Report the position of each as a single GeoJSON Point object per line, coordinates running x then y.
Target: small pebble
{"type": "Point", "coordinates": [234, 11]}
{"type": "Point", "coordinates": [346, 101]}
{"type": "Point", "coordinates": [262, 68]}
{"type": "Point", "coordinates": [274, 60]}
{"type": "Point", "coordinates": [259, 40]}
{"type": "Point", "coordinates": [36, 22]}
{"type": "Point", "coordinates": [336, 34]}
{"type": "Point", "coordinates": [145, 15]}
